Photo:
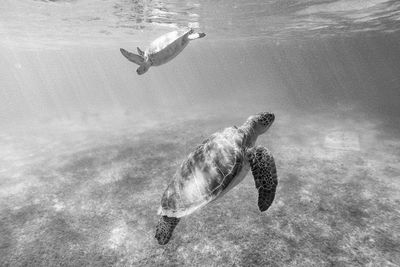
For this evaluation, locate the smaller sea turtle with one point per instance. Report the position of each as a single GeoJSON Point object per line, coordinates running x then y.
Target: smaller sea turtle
{"type": "Point", "coordinates": [216, 166]}
{"type": "Point", "coordinates": [162, 50]}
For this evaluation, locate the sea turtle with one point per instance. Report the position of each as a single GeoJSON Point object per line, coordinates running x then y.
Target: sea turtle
{"type": "Point", "coordinates": [162, 50]}
{"type": "Point", "coordinates": [216, 166]}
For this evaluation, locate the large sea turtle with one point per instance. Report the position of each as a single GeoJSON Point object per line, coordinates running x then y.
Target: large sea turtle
{"type": "Point", "coordinates": [162, 50]}
{"type": "Point", "coordinates": [216, 166]}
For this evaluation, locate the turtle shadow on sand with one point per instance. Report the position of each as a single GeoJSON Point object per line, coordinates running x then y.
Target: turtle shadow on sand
{"type": "Point", "coordinates": [162, 50]}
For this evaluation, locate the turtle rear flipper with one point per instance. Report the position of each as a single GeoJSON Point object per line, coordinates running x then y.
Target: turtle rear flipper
{"type": "Point", "coordinates": [165, 227]}
{"type": "Point", "coordinates": [132, 57]}
{"type": "Point", "coordinates": [194, 36]}
{"type": "Point", "coordinates": [264, 171]}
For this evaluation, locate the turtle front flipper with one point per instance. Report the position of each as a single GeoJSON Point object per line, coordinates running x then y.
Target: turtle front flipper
{"type": "Point", "coordinates": [132, 57]}
{"type": "Point", "coordinates": [165, 227]}
{"type": "Point", "coordinates": [264, 171]}
{"type": "Point", "coordinates": [140, 51]}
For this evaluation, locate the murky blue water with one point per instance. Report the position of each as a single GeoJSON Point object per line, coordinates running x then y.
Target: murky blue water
{"type": "Point", "coordinates": [88, 146]}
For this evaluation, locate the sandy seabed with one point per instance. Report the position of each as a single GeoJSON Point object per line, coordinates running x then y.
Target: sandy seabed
{"type": "Point", "coordinates": [86, 194]}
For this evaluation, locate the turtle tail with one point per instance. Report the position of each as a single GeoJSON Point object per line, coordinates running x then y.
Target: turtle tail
{"type": "Point", "coordinates": [165, 227]}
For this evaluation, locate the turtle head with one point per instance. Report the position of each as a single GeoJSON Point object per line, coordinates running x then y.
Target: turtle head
{"type": "Point", "coordinates": [260, 122]}
{"type": "Point", "coordinates": [143, 68]}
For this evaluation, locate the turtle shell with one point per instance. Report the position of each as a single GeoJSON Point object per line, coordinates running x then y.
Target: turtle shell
{"type": "Point", "coordinates": [168, 46]}
{"type": "Point", "coordinates": [208, 173]}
